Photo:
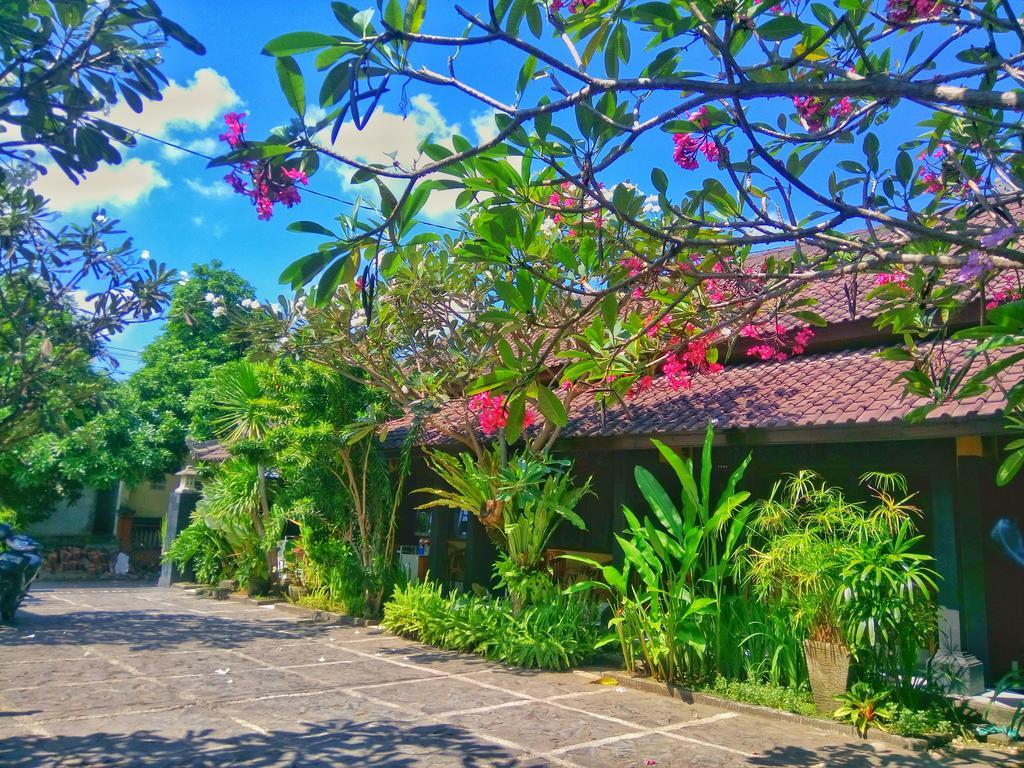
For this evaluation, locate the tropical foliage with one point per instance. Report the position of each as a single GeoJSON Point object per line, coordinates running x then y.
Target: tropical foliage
{"type": "Point", "coordinates": [65, 291]}
{"type": "Point", "coordinates": [304, 451]}
{"type": "Point", "coordinates": [520, 502]}
{"type": "Point", "coordinates": [763, 128]}
{"type": "Point", "coordinates": [558, 633]}
{"type": "Point", "coordinates": [849, 572]}
{"type": "Point", "coordinates": [674, 596]}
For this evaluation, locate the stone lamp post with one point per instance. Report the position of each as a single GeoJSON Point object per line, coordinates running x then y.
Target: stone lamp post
{"type": "Point", "coordinates": [179, 514]}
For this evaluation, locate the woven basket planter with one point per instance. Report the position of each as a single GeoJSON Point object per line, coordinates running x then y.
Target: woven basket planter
{"type": "Point", "coordinates": [828, 667]}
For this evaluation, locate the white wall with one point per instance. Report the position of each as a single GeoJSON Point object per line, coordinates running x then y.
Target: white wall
{"type": "Point", "coordinates": [69, 518]}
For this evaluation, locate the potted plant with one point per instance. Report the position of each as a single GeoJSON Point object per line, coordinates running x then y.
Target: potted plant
{"type": "Point", "coordinates": [814, 550]}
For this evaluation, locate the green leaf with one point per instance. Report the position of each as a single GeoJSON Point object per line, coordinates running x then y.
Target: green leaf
{"type": "Point", "coordinates": [311, 227]}
{"type": "Point", "coordinates": [661, 505]}
{"type": "Point", "coordinates": [393, 15]}
{"type": "Point", "coordinates": [252, 152]}
{"type": "Point", "coordinates": [297, 42]}
{"type": "Point", "coordinates": [904, 168]}
{"type": "Point", "coordinates": [1009, 468]}
{"type": "Point", "coordinates": [780, 28]}
{"type": "Point", "coordinates": [660, 180]}
{"type": "Point", "coordinates": [515, 418]}
{"type": "Point", "coordinates": [292, 85]}
{"type": "Point", "coordinates": [415, 12]}
{"type": "Point", "coordinates": [329, 281]}
{"type": "Point", "coordinates": [551, 406]}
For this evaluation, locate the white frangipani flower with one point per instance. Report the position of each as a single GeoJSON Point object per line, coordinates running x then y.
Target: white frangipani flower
{"type": "Point", "coordinates": [220, 311]}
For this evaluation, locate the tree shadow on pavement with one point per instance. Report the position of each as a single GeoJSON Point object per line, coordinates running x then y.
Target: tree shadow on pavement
{"type": "Point", "coordinates": [145, 630]}
{"type": "Point", "coordinates": [335, 743]}
{"type": "Point", "coordinates": [866, 754]}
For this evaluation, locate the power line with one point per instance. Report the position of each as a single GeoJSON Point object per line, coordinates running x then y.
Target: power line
{"type": "Point", "coordinates": [308, 190]}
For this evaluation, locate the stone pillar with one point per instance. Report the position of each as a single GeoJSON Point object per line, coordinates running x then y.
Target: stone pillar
{"type": "Point", "coordinates": [956, 657]}
{"type": "Point", "coordinates": [179, 514]}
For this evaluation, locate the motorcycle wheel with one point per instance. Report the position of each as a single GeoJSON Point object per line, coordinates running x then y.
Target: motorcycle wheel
{"type": "Point", "coordinates": [8, 602]}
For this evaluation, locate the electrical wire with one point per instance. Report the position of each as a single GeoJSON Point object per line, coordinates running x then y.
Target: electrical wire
{"type": "Point", "coordinates": [307, 190]}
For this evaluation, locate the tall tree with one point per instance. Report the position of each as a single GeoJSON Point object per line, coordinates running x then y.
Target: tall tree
{"type": "Point", "coordinates": [869, 136]}
{"type": "Point", "coordinates": [66, 290]}
{"type": "Point", "coordinates": [196, 338]}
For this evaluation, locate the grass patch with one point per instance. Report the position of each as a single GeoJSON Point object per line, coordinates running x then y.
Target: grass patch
{"type": "Point", "coordinates": [795, 700]}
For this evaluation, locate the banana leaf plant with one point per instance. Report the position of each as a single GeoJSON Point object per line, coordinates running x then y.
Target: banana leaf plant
{"type": "Point", "coordinates": [679, 566]}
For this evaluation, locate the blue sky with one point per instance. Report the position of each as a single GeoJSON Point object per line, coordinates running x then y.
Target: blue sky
{"type": "Point", "coordinates": [183, 213]}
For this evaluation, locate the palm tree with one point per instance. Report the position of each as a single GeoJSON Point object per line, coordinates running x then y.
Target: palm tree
{"type": "Point", "coordinates": [247, 408]}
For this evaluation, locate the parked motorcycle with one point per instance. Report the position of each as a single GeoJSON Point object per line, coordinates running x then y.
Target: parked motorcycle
{"type": "Point", "coordinates": [19, 565]}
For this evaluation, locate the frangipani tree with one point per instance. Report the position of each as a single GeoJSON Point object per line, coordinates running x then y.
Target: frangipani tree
{"type": "Point", "coordinates": [863, 136]}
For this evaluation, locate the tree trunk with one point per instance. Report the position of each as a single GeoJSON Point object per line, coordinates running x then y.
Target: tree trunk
{"type": "Point", "coordinates": [261, 520]}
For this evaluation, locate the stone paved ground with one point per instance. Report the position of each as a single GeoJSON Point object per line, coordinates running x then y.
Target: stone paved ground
{"type": "Point", "coordinates": [140, 676]}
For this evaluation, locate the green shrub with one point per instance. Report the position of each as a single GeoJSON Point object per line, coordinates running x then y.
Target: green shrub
{"type": "Point", "coordinates": [863, 707]}
{"type": "Point", "coordinates": [849, 573]}
{"type": "Point", "coordinates": [9, 516]}
{"type": "Point", "coordinates": [558, 633]}
{"type": "Point", "coordinates": [789, 699]}
{"type": "Point", "coordinates": [205, 550]}
{"type": "Point", "coordinates": [332, 574]}
{"type": "Point", "coordinates": [676, 597]}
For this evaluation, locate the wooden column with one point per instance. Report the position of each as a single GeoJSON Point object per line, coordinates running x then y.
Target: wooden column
{"type": "Point", "coordinates": [439, 524]}
{"type": "Point", "coordinates": [971, 467]}
{"type": "Point", "coordinates": [955, 655]}
{"type": "Point", "coordinates": [480, 556]}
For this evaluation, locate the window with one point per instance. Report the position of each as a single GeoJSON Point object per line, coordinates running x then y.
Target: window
{"type": "Point", "coordinates": [157, 485]}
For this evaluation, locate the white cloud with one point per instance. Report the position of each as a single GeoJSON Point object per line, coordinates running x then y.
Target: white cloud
{"type": "Point", "coordinates": [484, 126]}
{"type": "Point", "coordinates": [205, 146]}
{"type": "Point", "coordinates": [216, 191]}
{"type": "Point", "coordinates": [390, 134]}
{"type": "Point", "coordinates": [194, 106]}
{"type": "Point", "coordinates": [121, 186]}
{"type": "Point", "coordinates": [187, 108]}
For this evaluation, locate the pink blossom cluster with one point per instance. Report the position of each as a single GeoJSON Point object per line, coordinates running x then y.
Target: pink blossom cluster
{"type": "Point", "coordinates": [687, 145]}
{"type": "Point", "coordinates": [905, 11]}
{"type": "Point", "coordinates": [264, 188]}
{"type": "Point", "coordinates": [264, 185]}
{"type": "Point", "coordinates": [234, 135]}
{"type": "Point", "coordinates": [493, 413]}
{"type": "Point", "coordinates": [634, 265]}
{"type": "Point", "coordinates": [641, 385]}
{"type": "Point", "coordinates": [1002, 297]}
{"type": "Point", "coordinates": [572, 5]}
{"type": "Point", "coordinates": [679, 367]}
{"type": "Point", "coordinates": [939, 176]}
{"type": "Point", "coordinates": [816, 112]}
{"type": "Point", "coordinates": [896, 276]}
{"type": "Point", "coordinates": [570, 196]}
{"type": "Point", "coordinates": [657, 325]}
{"type": "Point", "coordinates": [773, 340]}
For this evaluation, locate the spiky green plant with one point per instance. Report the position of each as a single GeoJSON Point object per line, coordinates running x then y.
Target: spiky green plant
{"type": "Point", "coordinates": [680, 574]}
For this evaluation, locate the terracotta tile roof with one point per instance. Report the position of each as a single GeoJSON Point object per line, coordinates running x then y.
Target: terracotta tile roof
{"type": "Point", "coordinates": [843, 300]}
{"type": "Point", "coordinates": [853, 387]}
{"type": "Point", "coordinates": [208, 450]}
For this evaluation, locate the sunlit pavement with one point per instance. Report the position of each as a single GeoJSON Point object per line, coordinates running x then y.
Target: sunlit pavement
{"type": "Point", "coordinates": [140, 676]}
